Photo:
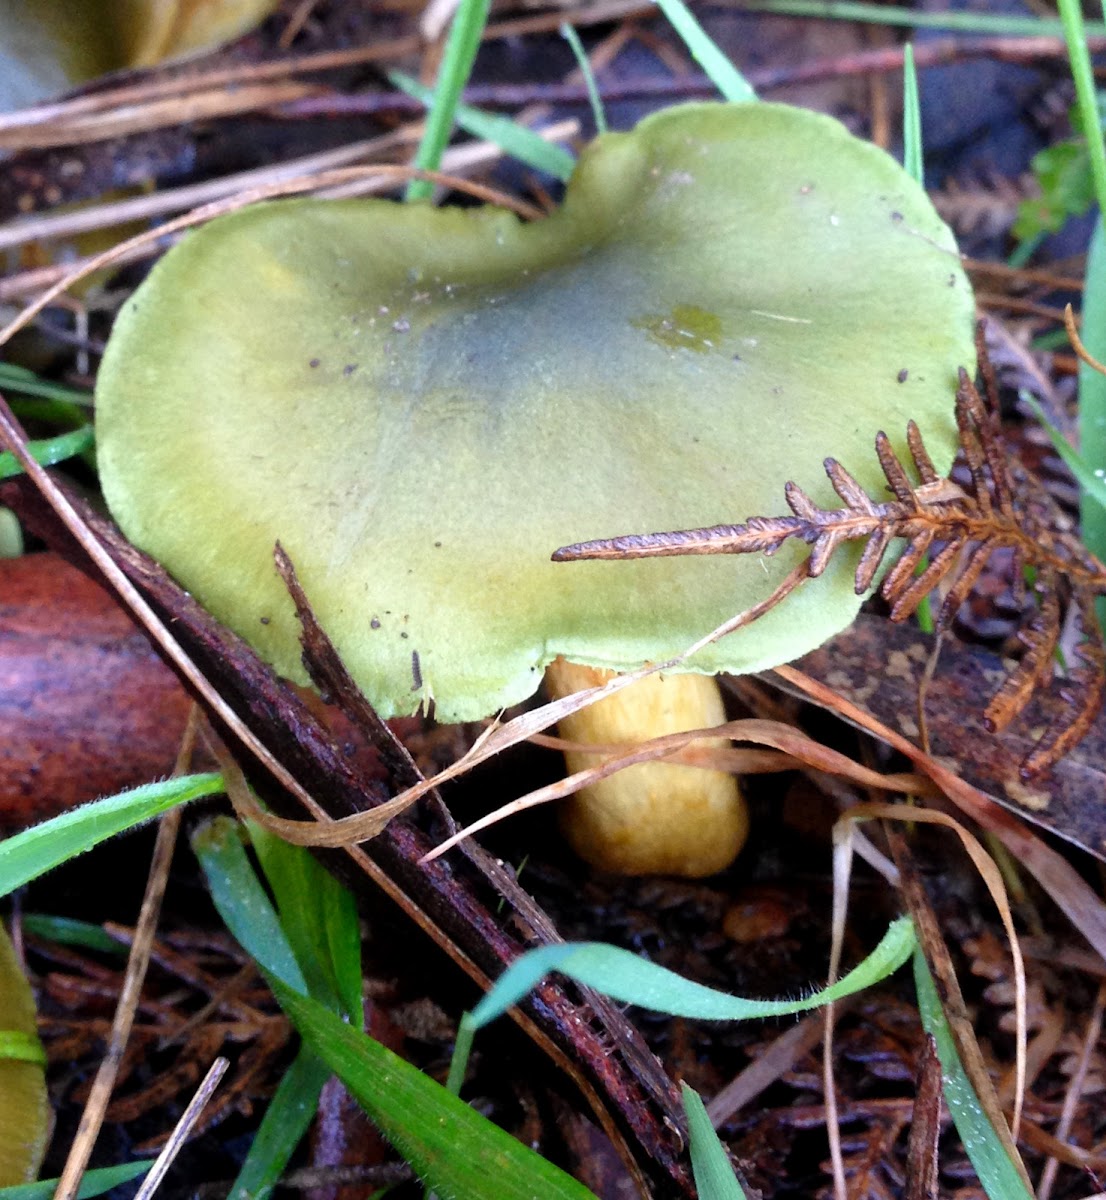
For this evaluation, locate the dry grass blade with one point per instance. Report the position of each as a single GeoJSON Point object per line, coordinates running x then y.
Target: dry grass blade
{"type": "Point", "coordinates": [104, 1082]}
{"type": "Point", "coordinates": [183, 1129]}
{"type": "Point", "coordinates": [800, 750]}
{"type": "Point", "coordinates": [1082, 905]}
{"type": "Point", "coordinates": [961, 529]}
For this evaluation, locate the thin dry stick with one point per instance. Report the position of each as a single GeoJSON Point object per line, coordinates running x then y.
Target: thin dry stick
{"type": "Point", "coordinates": [996, 887]}
{"type": "Point", "coordinates": [676, 747]}
{"type": "Point", "coordinates": [1075, 1090]}
{"type": "Point", "coordinates": [171, 200]}
{"type": "Point", "coordinates": [270, 192]}
{"type": "Point", "coordinates": [182, 1129]}
{"type": "Point", "coordinates": [99, 1096]}
{"type": "Point", "coordinates": [1077, 344]}
{"type": "Point", "coordinates": [137, 961]}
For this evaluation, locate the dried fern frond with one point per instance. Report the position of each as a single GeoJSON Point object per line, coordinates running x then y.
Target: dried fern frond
{"type": "Point", "coordinates": [957, 529]}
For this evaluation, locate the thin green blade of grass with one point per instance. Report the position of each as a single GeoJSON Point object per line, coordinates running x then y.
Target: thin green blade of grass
{"type": "Point", "coordinates": [994, 24]}
{"type": "Point", "coordinates": [19, 379]}
{"type": "Point", "coordinates": [51, 412]}
{"type": "Point", "coordinates": [454, 1150]}
{"type": "Point", "coordinates": [1082, 73]}
{"type": "Point", "coordinates": [1092, 406]}
{"type": "Point", "coordinates": [95, 1182]}
{"type": "Point", "coordinates": [710, 1164]}
{"type": "Point", "coordinates": [1094, 486]}
{"type": "Point", "coordinates": [290, 1112]}
{"type": "Point", "coordinates": [311, 940]}
{"type": "Point", "coordinates": [1000, 1178]}
{"type": "Point", "coordinates": [460, 54]}
{"type": "Point", "coordinates": [1092, 385]}
{"type": "Point", "coordinates": [39, 849]}
{"type": "Point", "coordinates": [720, 71]}
{"type": "Point", "coordinates": [512, 138]}
{"type": "Point", "coordinates": [624, 976]}
{"type": "Point", "coordinates": [912, 154]}
{"type": "Point", "coordinates": [49, 451]}
{"type": "Point", "coordinates": [319, 919]}
{"type": "Point", "coordinates": [598, 115]}
{"type": "Point", "coordinates": [68, 931]}
{"type": "Point", "coordinates": [241, 900]}
{"type": "Point", "coordinates": [913, 161]}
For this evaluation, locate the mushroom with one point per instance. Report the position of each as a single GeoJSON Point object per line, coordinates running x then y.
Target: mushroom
{"type": "Point", "coordinates": [49, 46]}
{"type": "Point", "coordinates": [654, 818]}
{"type": "Point", "coordinates": [421, 404]}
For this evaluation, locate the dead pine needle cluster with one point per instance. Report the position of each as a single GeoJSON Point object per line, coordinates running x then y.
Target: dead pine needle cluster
{"type": "Point", "coordinates": [938, 532]}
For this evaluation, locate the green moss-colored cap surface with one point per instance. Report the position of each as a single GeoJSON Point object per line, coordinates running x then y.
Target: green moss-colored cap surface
{"type": "Point", "coordinates": [422, 404]}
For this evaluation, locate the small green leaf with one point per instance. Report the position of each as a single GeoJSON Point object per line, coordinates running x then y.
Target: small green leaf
{"type": "Point", "coordinates": [624, 976]}
{"type": "Point", "coordinates": [34, 851]}
{"type": "Point", "coordinates": [67, 931]}
{"type": "Point", "coordinates": [453, 1149]}
{"type": "Point", "coordinates": [1000, 1178]}
{"type": "Point", "coordinates": [710, 1164]}
{"type": "Point", "coordinates": [1063, 173]}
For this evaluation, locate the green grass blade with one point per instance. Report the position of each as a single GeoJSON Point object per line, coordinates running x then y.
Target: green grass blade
{"type": "Point", "coordinates": [913, 161]}
{"type": "Point", "coordinates": [1000, 1178]}
{"type": "Point", "coordinates": [710, 1164]}
{"type": "Point", "coordinates": [290, 1111]}
{"type": "Point", "coordinates": [721, 72]}
{"type": "Point", "coordinates": [67, 931]}
{"type": "Point", "coordinates": [598, 115]}
{"type": "Point", "coordinates": [319, 919]}
{"type": "Point", "coordinates": [49, 451]}
{"type": "Point", "coordinates": [241, 900]}
{"type": "Point", "coordinates": [37, 850]}
{"type": "Point", "coordinates": [511, 137]}
{"type": "Point", "coordinates": [994, 24]}
{"type": "Point", "coordinates": [1082, 73]}
{"type": "Point", "coordinates": [19, 379]}
{"type": "Point", "coordinates": [460, 54]}
{"type": "Point", "coordinates": [453, 1149]}
{"type": "Point", "coordinates": [912, 156]}
{"type": "Point", "coordinates": [1094, 486]}
{"type": "Point", "coordinates": [94, 1183]}
{"type": "Point", "coordinates": [1092, 389]}
{"type": "Point", "coordinates": [626, 977]}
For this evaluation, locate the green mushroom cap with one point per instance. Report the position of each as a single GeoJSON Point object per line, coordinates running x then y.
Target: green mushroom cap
{"type": "Point", "coordinates": [422, 404]}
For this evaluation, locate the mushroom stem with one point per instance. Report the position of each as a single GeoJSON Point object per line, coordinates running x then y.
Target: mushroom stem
{"type": "Point", "coordinates": [653, 818]}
